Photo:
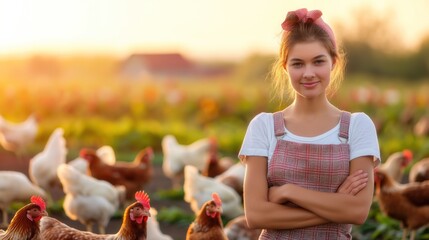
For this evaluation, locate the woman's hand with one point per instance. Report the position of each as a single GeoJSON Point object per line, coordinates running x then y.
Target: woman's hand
{"type": "Point", "coordinates": [354, 183]}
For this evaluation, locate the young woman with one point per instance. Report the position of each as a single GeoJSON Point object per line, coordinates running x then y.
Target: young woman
{"type": "Point", "coordinates": [309, 167]}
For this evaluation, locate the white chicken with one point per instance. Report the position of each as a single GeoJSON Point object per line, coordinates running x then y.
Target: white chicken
{"type": "Point", "coordinates": [15, 187]}
{"type": "Point", "coordinates": [89, 210]}
{"type": "Point", "coordinates": [198, 190]}
{"type": "Point", "coordinates": [396, 163]}
{"type": "Point", "coordinates": [43, 166]}
{"type": "Point", "coordinates": [106, 154]}
{"type": "Point", "coordinates": [177, 156]}
{"type": "Point", "coordinates": [89, 200]}
{"type": "Point", "coordinates": [79, 164]}
{"type": "Point", "coordinates": [233, 177]}
{"type": "Point", "coordinates": [16, 137]}
{"type": "Point", "coordinates": [237, 229]}
{"type": "Point", "coordinates": [153, 230]}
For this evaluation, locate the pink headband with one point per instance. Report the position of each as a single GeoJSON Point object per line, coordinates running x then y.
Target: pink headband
{"type": "Point", "coordinates": [303, 15]}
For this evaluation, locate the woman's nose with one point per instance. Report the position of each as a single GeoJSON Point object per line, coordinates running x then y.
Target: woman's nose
{"type": "Point", "coordinates": [308, 73]}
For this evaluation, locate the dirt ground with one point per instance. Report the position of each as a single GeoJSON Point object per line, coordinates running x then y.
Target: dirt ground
{"type": "Point", "coordinates": [8, 161]}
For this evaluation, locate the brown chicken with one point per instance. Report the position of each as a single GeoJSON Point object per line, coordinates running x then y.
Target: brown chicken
{"type": "Point", "coordinates": [133, 176]}
{"type": "Point", "coordinates": [134, 225]}
{"type": "Point", "coordinates": [419, 172]}
{"type": "Point", "coordinates": [208, 223]}
{"type": "Point", "coordinates": [25, 223]}
{"type": "Point", "coordinates": [407, 203]}
{"type": "Point", "coordinates": [216, 165]}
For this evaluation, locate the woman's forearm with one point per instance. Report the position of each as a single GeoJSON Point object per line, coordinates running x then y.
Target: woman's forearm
{"type": "Point", "coordinates": [336, 207]}
{"type": "Point", "coordinates": [270, 215]}
{"type": "Point", "coordinates": [260, 212]}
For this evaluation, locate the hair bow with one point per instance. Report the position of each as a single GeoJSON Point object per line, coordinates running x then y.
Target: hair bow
{"type": "Point", "coordinates": [303, 15]}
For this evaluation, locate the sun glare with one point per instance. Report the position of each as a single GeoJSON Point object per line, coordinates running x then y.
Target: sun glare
{"type": "Point", "coordinates": [203, 29]}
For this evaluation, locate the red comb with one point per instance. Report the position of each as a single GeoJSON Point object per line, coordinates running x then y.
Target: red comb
{"type": "Point", "coordinates": [85, 151]}
{"type": "Point", "coordinates": [82, 152]}
{"type": "Point", "coordinates": [39, 202]}
{"type": "Point", "coordinates": [143, 198]}
{"type": "Point", "coordinates": [217, 199]}
{"type": "Point", "coordinates": [407, 154]}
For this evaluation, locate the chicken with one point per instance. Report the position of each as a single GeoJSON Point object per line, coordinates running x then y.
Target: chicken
{"type": "Point", "coordinates": [237, 229]}
{"type": "Point", "coordinates": [396, 163]}
{"type": "Point", "coordinates": [87, 199]}
{"type": "Point", "coordinates": [89, 210]}
{"type": "Point", "coordinates": [133, 176]}
{"type": "Point", "coordinates": [419, 172]}
{"type": "Point", "coordinates": [421, 128]}
{"type": "Point", "coordinates": [43, 166]}
{"type": "Point", "coordinates": [105, 153]}
{"type": "Point", "coordinates": [233, 177]}
{"type": "Point", "coordinates": [134, 225]}
{"type": "Point", "coordinates": [407, 203]}
{"type": "Point", "coordinates": [177, 156]}
{"type": "Point", "coordinates": [216, 165]}
{"type": "Point", "coordinates": [25, 223]}
{"type": "Point", "coordinates": [153, 231]}
{"type": "Point", "coordinates": [79, 164]}
{"type": "Point", "coordinates": [15, 186]}
{"type": "Point", "coordinates": [16, 137]}
{"type": "Point", "coordinates": [208, 222]}
{"type": "Point", "coordinates": [198, 190]}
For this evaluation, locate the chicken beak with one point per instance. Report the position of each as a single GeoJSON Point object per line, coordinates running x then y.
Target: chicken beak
{"type": "Point", "coordinates": [44, 213]}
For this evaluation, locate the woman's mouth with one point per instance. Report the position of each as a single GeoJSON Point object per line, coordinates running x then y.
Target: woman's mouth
{"type": "Point", "coordinates": [310, 84]}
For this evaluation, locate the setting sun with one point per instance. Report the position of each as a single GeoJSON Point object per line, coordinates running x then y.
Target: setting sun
{"type": "Point", "coordinates": [202, 29]}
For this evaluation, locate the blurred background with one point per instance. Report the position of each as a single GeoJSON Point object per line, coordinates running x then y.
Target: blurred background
{"type": "Point", "coordinates": [127, 73]}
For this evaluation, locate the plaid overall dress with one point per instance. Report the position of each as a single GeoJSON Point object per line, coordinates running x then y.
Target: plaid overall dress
{"type": "Point", "coordinates": [320, 167]}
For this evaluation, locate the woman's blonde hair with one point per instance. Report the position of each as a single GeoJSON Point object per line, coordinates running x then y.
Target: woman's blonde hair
{"type": "Point", "coordinates": [305, 32]}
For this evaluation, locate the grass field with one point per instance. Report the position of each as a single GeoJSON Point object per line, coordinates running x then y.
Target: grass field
{"type": "Point", "coordinates": [96, 107]}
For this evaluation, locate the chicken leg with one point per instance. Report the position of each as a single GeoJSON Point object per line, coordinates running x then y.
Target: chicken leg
{"type": "Point", "coordinates": [5, 222]}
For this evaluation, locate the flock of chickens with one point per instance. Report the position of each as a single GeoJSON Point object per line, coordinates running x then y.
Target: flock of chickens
{"type": "Point", "coordinates": [96, 186]}
{"type": "Point", "coordinates": [406, 200]}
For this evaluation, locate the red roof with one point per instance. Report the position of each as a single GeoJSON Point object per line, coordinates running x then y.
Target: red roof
{"type": "Point", "coordinates": [167, 62]}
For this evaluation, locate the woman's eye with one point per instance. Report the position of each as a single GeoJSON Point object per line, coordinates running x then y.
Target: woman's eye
{"type": "Point", "coordinates": [318, 62]}
{"type": "Point", "coordinates": [296, 64]}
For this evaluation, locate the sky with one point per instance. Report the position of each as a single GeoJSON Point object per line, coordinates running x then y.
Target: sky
{"type": "Point", "coordinates": [204, 29]}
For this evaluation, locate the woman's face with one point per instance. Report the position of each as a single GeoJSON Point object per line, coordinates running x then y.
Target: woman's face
{"type": "Point", "coordinates": [309, 67]}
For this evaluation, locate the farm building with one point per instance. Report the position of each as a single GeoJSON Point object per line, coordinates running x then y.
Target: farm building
{"type": "Point", "coordinates": [166, 66]}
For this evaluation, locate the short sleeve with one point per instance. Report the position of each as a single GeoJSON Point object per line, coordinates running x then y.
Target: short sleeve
{"type": "Point", "coordinates": [363, 138]}
{"type": "Point", "coordinates": [256, 142]}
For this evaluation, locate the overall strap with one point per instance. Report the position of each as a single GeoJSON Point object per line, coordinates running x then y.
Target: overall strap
{"type": "Point", "coordinates": [279, 126]}
{"type": "Point", "coordinates": [344, 126]}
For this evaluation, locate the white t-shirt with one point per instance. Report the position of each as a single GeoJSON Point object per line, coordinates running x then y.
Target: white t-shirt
{"type": "Point", "coordinates": [260, 139]}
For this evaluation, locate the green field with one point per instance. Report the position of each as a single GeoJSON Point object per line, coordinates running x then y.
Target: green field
{"type": "Point", "coordinates": [96, 107]}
